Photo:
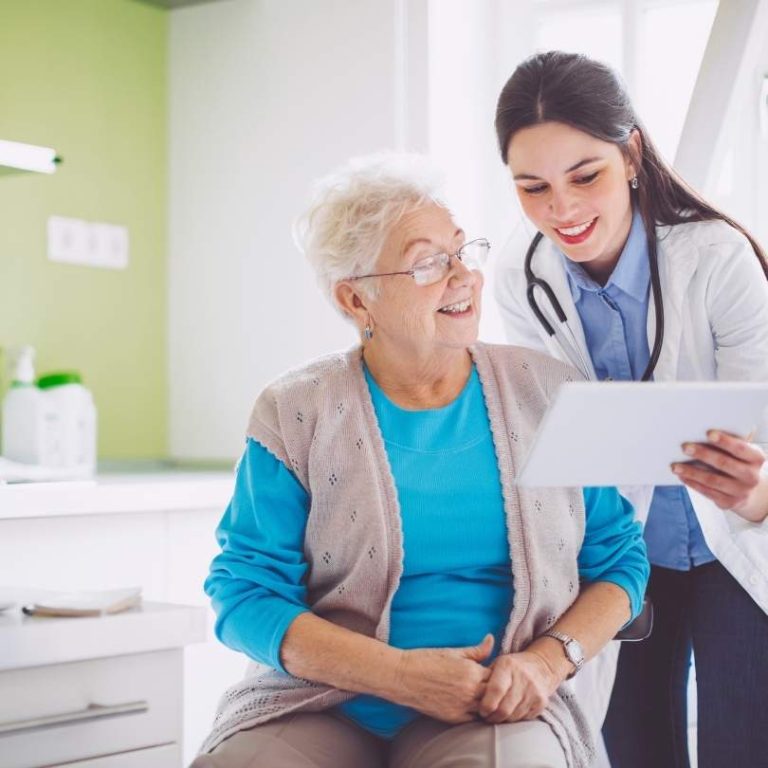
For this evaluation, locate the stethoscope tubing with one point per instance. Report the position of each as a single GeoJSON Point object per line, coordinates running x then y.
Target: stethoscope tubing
{"type": "Point", "coordinates": [533, 282]}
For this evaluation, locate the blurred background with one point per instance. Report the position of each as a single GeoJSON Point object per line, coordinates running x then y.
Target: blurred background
{"type": "Point", "coordinates": [199, 127]}
{"type": "Point", "coordinates": [194, 130]}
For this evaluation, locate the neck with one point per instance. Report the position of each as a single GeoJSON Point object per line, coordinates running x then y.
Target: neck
{"type": "Point", "coordinates": [602, 271]}
{"type": "Point", "coordinates": [601, 268]}
{"type": "Point", "coordinates": [429, 380]}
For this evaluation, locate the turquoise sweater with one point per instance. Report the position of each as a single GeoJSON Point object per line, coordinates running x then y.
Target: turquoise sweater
{"type": "Point", "coordinates": [456, 583]}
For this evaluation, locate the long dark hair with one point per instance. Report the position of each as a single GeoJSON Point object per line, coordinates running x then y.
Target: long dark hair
{"type": "Point", "coordinates": [572, 89]}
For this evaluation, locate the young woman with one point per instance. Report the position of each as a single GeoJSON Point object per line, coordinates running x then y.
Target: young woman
{"type": "Point", "coordinates": [632, 275]}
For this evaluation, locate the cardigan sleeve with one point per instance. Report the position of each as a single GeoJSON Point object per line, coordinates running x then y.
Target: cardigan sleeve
{"type": "Point", "coordinates": [613, 548]}
{"type": "Point", "coordinates": [257, 581]}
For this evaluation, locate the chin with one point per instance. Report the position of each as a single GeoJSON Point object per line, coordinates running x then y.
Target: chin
{"type": "Point", "coordinates": [584, 256]}
{"type": "Point", "coordinates": [464, 340]}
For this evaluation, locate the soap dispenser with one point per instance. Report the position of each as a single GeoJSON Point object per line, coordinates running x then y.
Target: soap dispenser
{"type": "Point", "coordinates": [23, 413]}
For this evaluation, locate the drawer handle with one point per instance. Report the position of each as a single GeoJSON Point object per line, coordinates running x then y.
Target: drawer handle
{"type": "Point", "coordinates": [91, 712]}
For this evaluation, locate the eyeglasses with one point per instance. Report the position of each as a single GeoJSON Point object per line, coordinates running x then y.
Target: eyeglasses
{"type": "Point", "coordinates": [432, 269]}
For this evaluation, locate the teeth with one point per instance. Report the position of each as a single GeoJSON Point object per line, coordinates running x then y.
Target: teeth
{"type": "Point", "coordinates": [573, 231]}
{"type": "Point", "coordinates": [461, 306]}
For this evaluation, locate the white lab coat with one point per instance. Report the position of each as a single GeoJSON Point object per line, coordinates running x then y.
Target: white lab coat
{"type": "Point", "coordinates": [715, 328]}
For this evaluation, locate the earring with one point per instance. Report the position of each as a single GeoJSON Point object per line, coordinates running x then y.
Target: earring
{"type": "Point", "coordinates": [368, 332]}
{"type": "Point", "coordinates": [634, 183]}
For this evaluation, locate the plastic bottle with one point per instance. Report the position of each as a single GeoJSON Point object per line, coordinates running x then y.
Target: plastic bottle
{"type": "Point", "coordinates": [24, 413]}
{"type": "Point", "coordinates": [70, 413]}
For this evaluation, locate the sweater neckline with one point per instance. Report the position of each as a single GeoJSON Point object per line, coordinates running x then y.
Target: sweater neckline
{"type": "Point", "coordinates": [441, 411]}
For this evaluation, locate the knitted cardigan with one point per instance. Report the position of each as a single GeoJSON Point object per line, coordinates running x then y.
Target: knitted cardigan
{"type": "Point", "coordinates": [320, 422]}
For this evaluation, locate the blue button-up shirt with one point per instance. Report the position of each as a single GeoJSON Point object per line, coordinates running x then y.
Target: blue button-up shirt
{"type": "Point", "coordinates": [614, 318]}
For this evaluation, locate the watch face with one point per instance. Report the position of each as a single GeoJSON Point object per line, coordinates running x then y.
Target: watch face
{"type": "Point", "coordinates": [574, 652]}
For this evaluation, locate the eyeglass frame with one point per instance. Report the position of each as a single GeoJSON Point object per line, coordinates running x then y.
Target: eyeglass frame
{"type": "Point", "coordinates": [411, 272]}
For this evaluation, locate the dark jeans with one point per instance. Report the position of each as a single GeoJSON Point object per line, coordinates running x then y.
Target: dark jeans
{"type": "Point", "coordinates": [706, 611]}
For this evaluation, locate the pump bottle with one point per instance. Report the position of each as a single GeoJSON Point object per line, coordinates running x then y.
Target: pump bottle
{"type": "Point", "coordinates": [23, 431]}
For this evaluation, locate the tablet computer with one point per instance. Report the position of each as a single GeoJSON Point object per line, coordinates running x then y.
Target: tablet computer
{"type": "Point", "coordinates": [628, 433]}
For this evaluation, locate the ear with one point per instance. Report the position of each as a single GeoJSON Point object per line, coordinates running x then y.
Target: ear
{"type": "Point", "coordinates": [351, 302]}
{"type": "Point", "coordinates": [635, 147]}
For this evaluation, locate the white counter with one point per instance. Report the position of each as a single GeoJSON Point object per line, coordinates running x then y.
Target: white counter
{"type": "Point", "coordinates": [33, 641]}
{"type": "Point", "coordinates": [151, 527]}
{"type": "Point", "coordinates": [118, 493]}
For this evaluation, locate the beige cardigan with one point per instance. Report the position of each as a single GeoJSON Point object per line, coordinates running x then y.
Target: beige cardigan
{"type": "Point", "coordinates": [320, 422]}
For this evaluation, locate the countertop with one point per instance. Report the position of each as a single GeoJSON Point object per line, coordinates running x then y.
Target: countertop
{"type": "Point", "coordinates": [139, 487]}
{"type": "Point", "coordinates": [30, 641]}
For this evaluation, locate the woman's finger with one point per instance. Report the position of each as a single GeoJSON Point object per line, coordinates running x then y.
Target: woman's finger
{"type": "Point", "coordinates": [495, 690]}
{"type": "Point", "coordinates": [524, 705]}
{"type": "Point", "coordinates": [722, 483]}
{"type": "Point", "coordinates": [529, 706]}
{"type": "Point", "coordinates": [723, 500]}
{"type": "Point", "coordinates": [721, 463]}
{"type": "Point", "coordinates": [718, 481]}
{"type": "Point", "coordinates": [737, 446]}
{"type": "Point", "coordinates": [516, 699]}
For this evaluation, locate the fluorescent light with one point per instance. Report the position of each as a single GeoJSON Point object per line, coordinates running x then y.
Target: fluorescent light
{"type": "Point", "coordinates": [27, 157]}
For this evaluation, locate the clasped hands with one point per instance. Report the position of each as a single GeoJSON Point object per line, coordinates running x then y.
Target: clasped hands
{"type": "Point", "coordinates": [453, 685]}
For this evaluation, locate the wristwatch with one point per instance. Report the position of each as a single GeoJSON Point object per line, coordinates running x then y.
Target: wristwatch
{"type": "Point", "coordinates": [573, 650]}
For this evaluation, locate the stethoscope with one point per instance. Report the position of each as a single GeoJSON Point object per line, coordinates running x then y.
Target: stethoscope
{"type": "Point", "coordinates": [567, 338]}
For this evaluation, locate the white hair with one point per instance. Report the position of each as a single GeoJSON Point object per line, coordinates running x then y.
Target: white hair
{"type": "Point", "coordinates": [353, 209]}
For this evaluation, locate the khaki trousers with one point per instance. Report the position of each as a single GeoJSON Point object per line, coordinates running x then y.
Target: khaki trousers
{"type": "Point", "coordinates": [325, 740]}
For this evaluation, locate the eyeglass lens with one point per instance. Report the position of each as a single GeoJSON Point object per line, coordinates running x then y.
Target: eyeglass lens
{"type": "Point", "coordinates": [472, 256]}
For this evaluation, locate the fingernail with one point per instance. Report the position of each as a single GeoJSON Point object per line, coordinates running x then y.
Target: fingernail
{"type": "Point", "coordinates": [713, 435]}
{"type": "Point", "coordinates": [676, 468]}
{"type": "Point", "coordinates": [688, 449]}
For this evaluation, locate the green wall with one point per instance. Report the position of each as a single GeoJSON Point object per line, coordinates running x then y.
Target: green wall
{"type": "Point", "coordinates": [89, 78]}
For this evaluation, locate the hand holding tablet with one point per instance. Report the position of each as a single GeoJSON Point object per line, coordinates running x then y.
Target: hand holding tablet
{"type": "Point", "coordinates": [630, 433]}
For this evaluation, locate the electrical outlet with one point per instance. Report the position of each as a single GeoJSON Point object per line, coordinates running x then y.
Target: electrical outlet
{"type": "Point", "coordinates": [67, 239]}
{"type": "Point", "coordinates": [94, 244]}
{"type": "Point", "coordinates": [114, 246]}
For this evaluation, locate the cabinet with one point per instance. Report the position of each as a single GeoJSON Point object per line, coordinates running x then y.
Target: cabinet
{"type": "Point", "coordinates": [154, 530]}
{"type": "Point", "coordinates": [167, 756]}
{"type": "Point", "coordinates": [104, 691]}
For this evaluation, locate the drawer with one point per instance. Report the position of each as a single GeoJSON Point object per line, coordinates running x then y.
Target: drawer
{"type": "Point", "coordinates": [68, 712]}
{"type": "Point", "coordinates": [168, 756]}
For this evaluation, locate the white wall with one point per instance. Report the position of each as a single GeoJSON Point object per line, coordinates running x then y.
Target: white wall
{"type": "Point", "coordinates": [267, 95]}
{"type": "Point", "coordinates": [738, 181]}
{"type": "Point", "coordinates": [465, 78]}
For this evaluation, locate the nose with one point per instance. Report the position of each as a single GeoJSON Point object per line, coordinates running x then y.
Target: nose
{"type": "Point", "coordinates": [460, 272]}
{"type": "Point", "coordinates": [562, 205]}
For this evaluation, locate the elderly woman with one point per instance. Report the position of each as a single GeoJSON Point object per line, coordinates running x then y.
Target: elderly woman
{"type": "Point", "coordinates": [404, 603]}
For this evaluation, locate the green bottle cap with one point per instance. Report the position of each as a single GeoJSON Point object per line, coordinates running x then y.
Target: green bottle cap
{"type": "Point", "coordinates": [59, 379]}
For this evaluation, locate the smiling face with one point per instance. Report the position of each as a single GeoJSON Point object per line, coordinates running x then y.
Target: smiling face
{"type": "Point", "coordinates": [574, 188]}
{"type": "Point", "coordinates": [425, 320]}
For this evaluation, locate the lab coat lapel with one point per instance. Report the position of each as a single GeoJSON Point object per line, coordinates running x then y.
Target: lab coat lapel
{"type": "Point", "coordinates": [678, 260]}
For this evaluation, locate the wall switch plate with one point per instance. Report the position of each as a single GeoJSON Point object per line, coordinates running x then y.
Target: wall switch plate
{"type": "Point", "coordinates": [93, 244]}
{"type": "Point", "coordinates": [66, 239]}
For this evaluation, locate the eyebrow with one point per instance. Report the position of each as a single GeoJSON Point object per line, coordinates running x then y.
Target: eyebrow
{"type": "Point", "coordinates": [586, 161]}
{"type": "Point", "coordinates": [418, 240]}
